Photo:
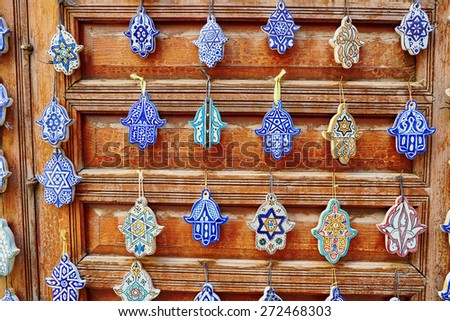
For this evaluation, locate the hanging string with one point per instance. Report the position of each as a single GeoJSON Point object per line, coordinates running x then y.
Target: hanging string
{"type": "Point", "coordinates": [333, 277]}
{"type": "Point", "coordinates": [141, 5]}
{"type": "Point", "coordinates": [334, 186]}
{"type": "Point", "coordinates": [341, 92]}
{"type": "Point", "coordinates": [55, 85]}
{"type": "Point", "coordinates": [346, 9]}
{"type": "Point", "coordinates": [205, 174]}
{"type": "Point", "coordinates": [63, 234]}
{"type": "Point", "coordinates": [401, 187]}
{"type": "Point", "coordinates": [269, 279]}
{"type": "Point", "coordinates": [277, 89]}
{"type": "Point", "coordinates": [2, 214]}
{"type": "Point", "coordinates": [61, 3]}
{"type": "Point", "coordinates": [270, 182]}
{"type": "Point", "coordinates": [141, 184]}
{"type": "Point", "coordinates": [211, 8]}
{"type": "Point", "coordinates": [205, 266]}
{"type": "Point", "coordinates": [397, 284]}
{"type": "Point", "coordinates": [410, 89]}
{"type": "Point", "coordinates": [208, 82]}
{"type": "Point", "coordinates": [142, 82]}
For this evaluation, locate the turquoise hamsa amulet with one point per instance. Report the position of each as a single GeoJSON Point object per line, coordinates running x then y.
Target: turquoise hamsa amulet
{"type": "Point", "coordinates": [277, 130]}
{"type": "Point", "coordinates": [8, 249]}
{"type": "Point", "coordinates": [210, 43]}
{"type": "Point", "coordinates": [280, 29]}
{"type": "Point", "coordinates": [411, 130]}
{"type": "Point", "coordinates": [207, 125]}
{"type": "Point", "coordinates": [142, 33]}
{"type": "Point", "coordinates": [271, 223]}
{"type": "Point", "coordinates": [207, 294]}
{"type": "Point", "coordinates": [140, 229]}
{"type": "Point", "coordinates": [65, 280]}
{"type": "Point", "coordinates": [137, 285]}
{"type": "Point", "coordinates": [64, 51]}
{"type": "Point", "coordinates": [54, 122]}
{"type": "Point", "coordinates": [206, 219]}
{"type": "Point", "coordinates": [333, 232]}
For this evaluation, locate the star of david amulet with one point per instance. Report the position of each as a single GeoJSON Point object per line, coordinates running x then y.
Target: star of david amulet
{"type": "Point", "coordinates": [8, 249]}
{"type": "Point", "coordinates": [280, 29]}
{"type": "Point", "coordinates": [140, 229]}
{"type": "Point", "coordinates": [346, 43]}
{"type": "Point", "coordinates": [401, 227]}
{"type": "Point", "coordinates": [277, 131]}
{"type": "Point", "coordinates": [54, 122]}
{"type": "Point", "coordinates": [206, 219]}
{"type": "Point", "coordinates": [270, 295]}
{"type": "Point", "coordinates": [333, 232]}
{"type": "Point", "coordinates": [65, 280]}
{"type": "Point", "coordinates": [271, 223]}
{"type": "Point", "coordinates": [411, 130]}
{"type": "Point", "coordinates": [9, 295]}
{"type": "Point", "coordinates": [142, 33]}
{"type": "Point", "coordinates": [207, 294]}
{"type": "Point", "coordinates": [137, 285]}
{"type": "Point", "coordinates": [342, 134]}
{"type": "Point", "coordinates": [59, 179]}
{"type": "Point", "coordinates": [143, 122]}
{"type": "Point", "coordinates": [414, 29]}
{"type": "Point", "coordinates": [64, 51]}
{"type": "Point", "coordinates": [210, 43]}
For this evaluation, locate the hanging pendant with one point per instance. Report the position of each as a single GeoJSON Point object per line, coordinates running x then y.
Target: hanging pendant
{"type": "Point", "coordinates": [137, 285]}
{"type": "Point", "coordinates": [59, 178]}
{"type": "Point", "coordinates": [445, 293]}
{"type": "Point", "coordinates": [64, 51]}
{"type": "Point", "coordinates": [335, 294]}
{"type": "Point", "coordinates": [346, 43]}
{"type": "Point", "coordinates": [414, 29]}
{"type": "Point", "coordinates": [410, 130]}
{"type": "Point", "coordinates": [401, 227]}
{"type": "Point", "coordinates": [4, 35]}
{"type": "Point", "coordinates": [280, 29]}
{"type": "Point", "coordinates": [211, 43]}
{"type": "Point", "coordinates": [141, 229]}
{"type": "Point", "coordinates": [4, 173]}
{"type": "Point", "coordinates": [446, 226]}
{"type": "Point", "coordinates": [5, 102]}
{"type": "Point", "coordinates": [270, 295]}
{"type": "Point", "coordinates": [142, 33]}
{"type": "Point", "coordinates": [143, 121]}
{"type": "Point", "coordinates": [10, 295]}
{"type": "Point", "coordinates": [277, 130]}
{"type": "Point", "coordinates": [65, 280]}
{"type": "Point", "coordinates": [207, 125]}
{"type": "Point", "coordinates": [8, 249]}
{"type": "Point", "coordinates": [342, 134]}
{"type": "Point", "coordinates": [334, 232]}
{"type": "Point", "coordinates": [54, 122]}
{"type": "Point", "coordinates": [206, 219]}
{"type": "Point", "coordinates": [271, 223]}
{"type": "Point", "coordinates": [207, 294]}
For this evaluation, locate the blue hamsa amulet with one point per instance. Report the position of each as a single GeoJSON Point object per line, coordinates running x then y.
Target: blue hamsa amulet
{"type": "Point", "coordinates": [280, 29]}
{"type": "Point", "coordinates": [142, 33]}
{"type": "Point", "coordinates": [206, 219]}
{"type": "Point", "coordinates": [335, 294]}
{"type": "Point", "coordinates": [270, 295]}
{"type": "Point", "coordinates": [207, 294]}
{"type": "Point", "coordinates": [4, 173]}
{"type": "Point", "coordinates": [8, 248]}
{"type": "Point", "coordinates": [211, 43]}
{"type": "Point", "coordinates": [4, 35]}
{"type": "Point", "coordinates": [414, 29]}
{"type": "Point", "coordinates": [446, 226]}
{"type": "Point", "coordinates": [64, 51]}
{"type": "Point", "coordinates": [5, 102]}
{"type": "Point", "coordinates": [277, 130]}
{"type": "Point", "coordinates": [54, 122]}
{"type": "Point", "coordinates": [411, 130]}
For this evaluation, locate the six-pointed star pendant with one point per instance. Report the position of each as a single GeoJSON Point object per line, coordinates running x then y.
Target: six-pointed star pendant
{"type": "Point", "coordinates": [270, 224]}
{"type": "Point", "coordinates": [57, 179]}
{"type": "Point", "coordinates": [210, 36]}
{"type": "Point", "coordinates": [344, 125]}
{"type": "Point", "coordinates": [417, 28]}
{"type": "Point", "coordinates": [281, 27]}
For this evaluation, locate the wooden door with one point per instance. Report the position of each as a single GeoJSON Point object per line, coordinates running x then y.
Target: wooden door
{"type": "Point", "coordinates": [376, 89]}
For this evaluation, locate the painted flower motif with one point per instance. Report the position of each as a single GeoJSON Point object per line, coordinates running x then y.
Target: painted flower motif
{"type": "Point", "coordinates": [65, 280]}
{"type": "Point", "coordinates": [207, 294]}
{"type": "Point", "coordinates": [142, 33]}
{"type": "Point", "coordinates": [401, 227]}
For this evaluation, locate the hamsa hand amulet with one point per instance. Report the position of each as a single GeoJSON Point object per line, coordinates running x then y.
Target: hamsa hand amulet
{"type": "Point", "coordinates": [335, 294]}
{"type": "Point", "coordinates": [142, 33]}
{"type": "Point", "coordinates": [270, 295]}
{"type": "Point", "coordinates": [5, 102]}
{"type": "Point", "coordinates": [64, 51]}
{"type": "Point", "coordinates": [137, 285]}
{"type": "Point", "coordinates": [211, 43]}
{"type": "Point", "coordinates": [207, 294]}
{"type": "Point", "coordinates": [445, 293]}
{"type": "Point", "coordinates": [271, 223]}
{"type": "Point", "coordinates": [346, 43]}
{"type": "Point", "coordinates": [8, 249]}
{"type": "Point", "coordinates": [4, 35]}
{"type": "Point", "coordinates": [4, 173]}
{"type": "Point", "coordinates": [446, 226]}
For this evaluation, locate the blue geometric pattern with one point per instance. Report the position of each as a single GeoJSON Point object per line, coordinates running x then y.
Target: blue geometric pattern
{"type": "Point", "coordinates": [137, 285]}
{"type": "Point", "coordinates": [5, 102]}
{"type": "Point", "coordinates": [141, 229]}
{"type": "Point", "coordinates": [65, 280]}
{"type": "Point", "coordinates": [211, 43]}
{"type": "Point", "coordinates": [271, 223]}
{"type": "Point", "coordinates": [143, 121]}
{"type": "Point", "coordinates": [59, 179]}
{"type": "Point", "coordinates": [4, 34]}
{"type": "Point", "coordinates": [142, 34]}
{"type": "Point", "coordinates": [4, 174]}
{"type": "Point", "coordinates": [54, 122]}
{"type": "Point", "coordinates": [270, 295]}
{"type": "Point", "coordinates": [64, 51]}
{"type": "Point", "coordinates": [206, 219]}
{"type": "Point", "coordinates": [414, 29]}
{"type": "Point", "coordinates": [410, 130]}
{"type": "Point", "coordinates": [445, 293]}
{"type": "Point", "coordinates": [446, 226]}
{"type": "Point", "coordinates": [277, 130]}
{"type": "Point", "coordinates": [335, 294]}
{"type": "Point", "coordinates": [207, 125]}
{"type": "Point", "coordinates": [207, 294]}
{"type": "Point", "coordinates": [8, 249]}
{"type": "Point", "coordinates": [280, 28]}
{"type": "Point", "coordinates": [9, 296]}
